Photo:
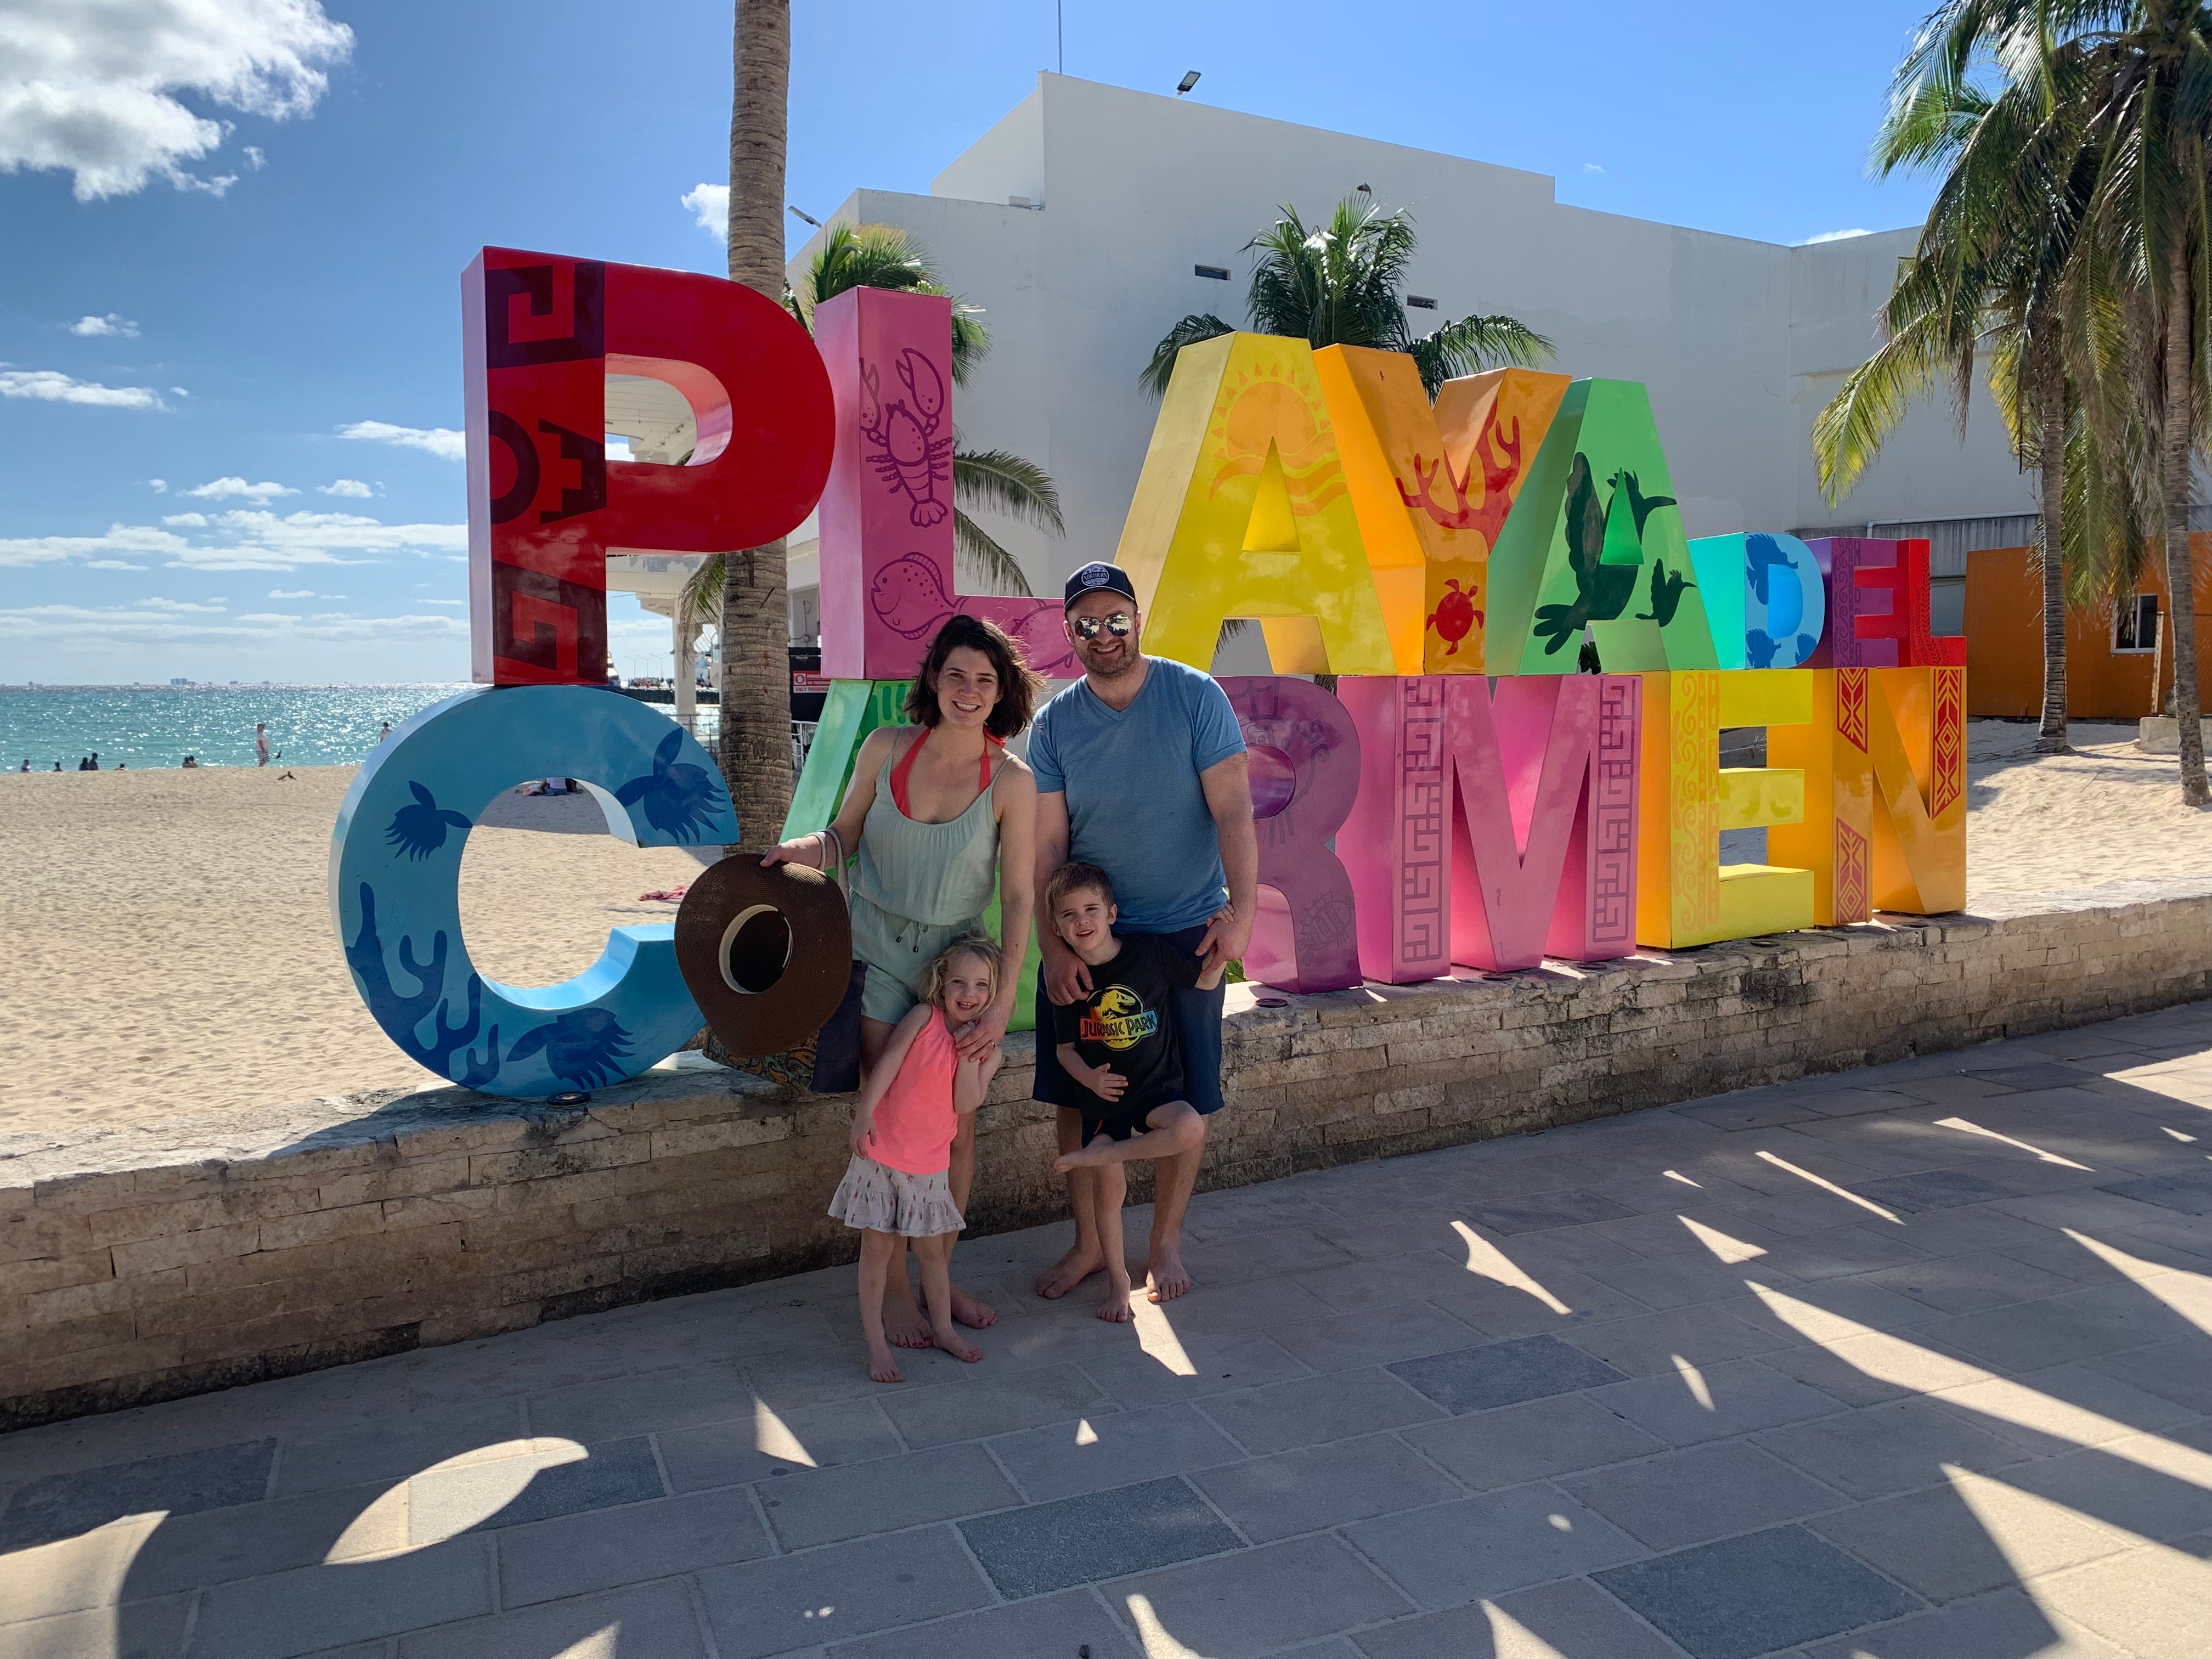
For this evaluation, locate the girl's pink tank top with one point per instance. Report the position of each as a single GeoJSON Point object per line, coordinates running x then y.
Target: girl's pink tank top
{"type": "Point", "coordinates": [914, 1121]}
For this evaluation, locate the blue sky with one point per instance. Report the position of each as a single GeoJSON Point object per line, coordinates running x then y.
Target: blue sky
{"type": "Point", "coordinates": [223, 338]}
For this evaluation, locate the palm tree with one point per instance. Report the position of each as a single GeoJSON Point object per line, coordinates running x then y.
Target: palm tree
{"type": "Point", "coordinates": [1343, 283]}
{"type": "Point", "coordinates": [753, 625]}
{"type": "Point", "coordinates": [994, 480]}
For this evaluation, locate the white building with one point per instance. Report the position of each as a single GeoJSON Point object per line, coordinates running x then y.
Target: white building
{"type": "Point", "coordinates": [1081, 222]}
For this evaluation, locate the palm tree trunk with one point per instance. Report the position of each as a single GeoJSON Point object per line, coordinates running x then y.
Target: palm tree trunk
{"type": "Point", "coordinates": [2050, 419]}
{"type": "Point", "coordinates": [755, 617]}
{"type": "Point", "coordinates": [2174, 466]}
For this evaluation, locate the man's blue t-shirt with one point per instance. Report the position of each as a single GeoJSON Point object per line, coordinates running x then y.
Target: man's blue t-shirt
{"type": "Point", "coordinates": [1135, 807]}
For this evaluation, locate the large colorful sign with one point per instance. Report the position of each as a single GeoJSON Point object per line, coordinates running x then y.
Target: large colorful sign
{"type": "Point", "coordinates": [1470, 797]}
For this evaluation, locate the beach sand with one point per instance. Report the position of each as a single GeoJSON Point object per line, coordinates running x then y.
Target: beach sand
{"type": "Point", "coordinates": [170, 953]}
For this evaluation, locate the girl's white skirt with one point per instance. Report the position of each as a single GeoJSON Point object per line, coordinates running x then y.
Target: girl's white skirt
{"type": "Point", "coordinates": [877, 1197]}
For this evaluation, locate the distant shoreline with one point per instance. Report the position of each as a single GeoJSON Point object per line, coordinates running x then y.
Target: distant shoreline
{"type": "Point", "coordinates": [234, 685]}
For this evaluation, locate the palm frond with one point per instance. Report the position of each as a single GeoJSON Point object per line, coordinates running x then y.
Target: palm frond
{"type": "Point", "coordinates": [1002, 482]}
{"type": "Point", "coordinates": [984, 558]}
{"type": "Point", "coordinates": [886, 256]}
{"type": "Point", "coordinates": [1474, 343]}
{"type": "Point", "coordinates": [1200, 325]}
{"type": "Point", "coordinates": [700, 599]}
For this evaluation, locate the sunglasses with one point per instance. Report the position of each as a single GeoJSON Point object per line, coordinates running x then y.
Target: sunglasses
{"type": "Point", "coordinates": [1120, 625]}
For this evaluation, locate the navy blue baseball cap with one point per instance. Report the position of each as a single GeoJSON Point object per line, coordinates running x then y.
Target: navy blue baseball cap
{"type": "Point", "coordinates": [1099, 577]}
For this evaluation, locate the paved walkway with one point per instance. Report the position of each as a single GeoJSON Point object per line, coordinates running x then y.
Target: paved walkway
{"type": "Point", "coordinates": [1910, 1363]}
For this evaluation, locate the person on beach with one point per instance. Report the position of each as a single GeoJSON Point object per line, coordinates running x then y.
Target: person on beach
{"type": "Point", "coordinates": [261, 742]}
{"type": "Point", "coordinates": [385, 733]}
{"type": "Point", "coordinates": [1140, 771]}
{"type": "Point", "coordinates": [1117, 1041]}
{"type": "Point", "coordinates": [897, 1189]}
{"type": "Point", "coordinates": [191, 761]}
{"type": "Point", "coordinates": [939, 814]}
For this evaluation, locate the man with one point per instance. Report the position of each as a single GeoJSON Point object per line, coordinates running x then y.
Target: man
{"type": "Point", "coordinates": [261, 742]}
{"type": "Point", "coordinates": [1140, 771]}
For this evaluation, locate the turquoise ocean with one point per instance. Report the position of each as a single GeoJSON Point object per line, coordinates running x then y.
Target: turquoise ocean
{"type": "Point", "coordinates": [159, 726]}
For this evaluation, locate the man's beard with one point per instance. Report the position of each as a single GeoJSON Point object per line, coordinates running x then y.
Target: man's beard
{"type": "Point", "coordinates": [1112, 670]}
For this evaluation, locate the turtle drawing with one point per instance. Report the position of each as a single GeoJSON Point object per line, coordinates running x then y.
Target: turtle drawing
{"type": "Point", "coordinates": [679, 799]}
{"type": "Point", "coordinates": [585, 1047]}
{"type": "Point", "coordinates": [1455, 616]}
{"type": "Point", "coordinates": [420, 831]}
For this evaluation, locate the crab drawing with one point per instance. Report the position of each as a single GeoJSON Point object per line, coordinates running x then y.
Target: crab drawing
{"type": "Point", "coordinates": [909, 454]}
{"type": "Point", "coordinates": [1454, 617]}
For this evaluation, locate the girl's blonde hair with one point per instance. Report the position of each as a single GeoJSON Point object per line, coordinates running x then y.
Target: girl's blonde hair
{"type": "Point", "coordinates": [985, 950]}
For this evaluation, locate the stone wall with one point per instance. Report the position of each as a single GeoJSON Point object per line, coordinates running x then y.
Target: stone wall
{"type": "Point", "coordinates": [136, 1267]}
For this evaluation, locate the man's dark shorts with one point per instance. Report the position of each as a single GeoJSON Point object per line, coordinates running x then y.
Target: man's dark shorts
{"type": "Point", "coordinates": [1197, 1016]}
{"type": "Point", "coordinates": [1101, 1119]}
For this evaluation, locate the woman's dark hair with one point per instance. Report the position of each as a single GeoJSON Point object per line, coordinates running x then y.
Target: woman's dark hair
{"type": "Point", "coordinates": [1017, 686]}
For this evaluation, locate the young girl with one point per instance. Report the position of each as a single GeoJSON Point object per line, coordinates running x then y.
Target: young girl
{"type": "Point", "coordinates": [896, 1187]}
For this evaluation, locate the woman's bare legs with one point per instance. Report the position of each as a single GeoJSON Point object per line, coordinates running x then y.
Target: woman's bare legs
{"type": "Point", "coordinates": [877, 1250]}
{"type": "Point", "coordinates": [935, 1256]}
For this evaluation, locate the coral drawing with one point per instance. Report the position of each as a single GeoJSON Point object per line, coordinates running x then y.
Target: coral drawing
{"type": "Point", "coordinates": [420, 831]}
{"type": "Point", "coordinates": [909, 454]}
{"type": "Point", "coordinates": [680, 799]}
{"type": "Point", "coordinates": [402, 1013]}
{"type": "Point", "coordinates": [1485, 518]}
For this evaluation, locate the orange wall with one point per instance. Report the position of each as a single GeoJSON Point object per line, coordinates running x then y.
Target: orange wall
{"type": "Point", "coordinates": [2004, 640]}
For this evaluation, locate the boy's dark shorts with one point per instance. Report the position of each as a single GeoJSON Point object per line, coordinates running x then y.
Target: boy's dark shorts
{"type": "Point", "coordinates": [1115, 1123]}
{"type": "Point", "coordinates": [1197, 1015]}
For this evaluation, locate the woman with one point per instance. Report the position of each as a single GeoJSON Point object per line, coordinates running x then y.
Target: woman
{"type": "Point", "coordinates": [937, 813]}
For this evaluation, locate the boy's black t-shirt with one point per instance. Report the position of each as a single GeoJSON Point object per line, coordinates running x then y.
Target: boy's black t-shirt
{"type": "Point", "coordinates": [1123, 1024]}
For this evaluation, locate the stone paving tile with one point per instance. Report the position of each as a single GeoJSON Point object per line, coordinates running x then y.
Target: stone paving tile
{"type": "Point", "coordinates": [2043, 1411]}
{"type": "Point", "coordinates": [828, 1506]}
{"type": "Point", "coordinates": [1679, 1282]}
{"type": "Point", "coordinates": [1318, 1486]}
{"type": "Point", "coordinates": [395, 1447]}
{"type": "Point", "coordinates": [1051, 1624]}
{"type": "Point", "coordinates": [2043, 1074]}
{"type": "Point", "coordinates": [819, 1596]}
{"type": "Point", "coordinates": [216, 1546]}
{"type": "Point", "coordinates": [144, 1630]}
{"type": "Point", "coordinates": [2028, 1335]}
{"type": "Point", "coordinates": [57, 1506]}
{"type": "Point", "coordinates": [1375, 1336]}
{"type": "Point", "coordinates": [2150, 1601]}
{"type": "Point", "coordinates": [1651, 1193]}
{"type": "Point", "coordinates": [1258, 1601]}
{"type": "Point", "coordinates": [2143, 1483]}
{"type": "Point", "coordinates": [1930, 1190]}
{"type": "Point", "coordinates": [1572, 1617]}
{"type": "Point", "coordinates": [2174, 1371]}
{"type": "Point", "coordinates": [1263, 1305]}
{"type": "Point", "coordinates": [1099, 1536]}
{"type": "Point", "coordinates": [1695, 1496]}
{"type": "Point", "coordinates": [1838, 1251]}
{"type": "Point", "coordinates": [1835, 1375]}
{"type": "Point", "coordinates": [296, 1613]}
{"type": "Point", "coordinates": [1972, 1283]}
{"type": "Point", "coordinates": [1313, 1409]}
{"type": "Point", "coordinates": [576, 1555]}
{"type": "Point", "coordinates": [649, 1619]}
{"type": "Point", "coordinates": [447, 1500]}
{"type": "Point", "coordinates": [1556, 1252]}
{"type": "Point", "coordinates": [1538, 1212]}
{"type": "Point", "coordinates": [1530, 1441]}
{"type": "Point", "coordinates": [1879, 1449]}
{"type": "Point", "coordinates": [1657, 1237]}
{"type": "Point", "coordinates": [1729, 1112]}
{"type": "Point", "coordinates": [1731, 1400]}
{"type": "Point", "coordinates": [1832, 1308]}
{"type": "Point", "coordinates": [90, 1569]}
{"type": "Point", "coordinates": [680, 1398]}
{"type": "Point", "coordinates": [1966, 1536]}
{"type": "Point", "coordinates": [1749, 1595]}
{"type": "Point", "coordinates": [764, 1442]}
{"type": "Point", "coordinates": [1452, 1553]}
{"type": "Point", "coordinates": [1648, 1345]}
{"type": "Point", "coordinates": [1506, 1310]}
{"type": "Point", "coordinates": [2190, 1192]}
{"type": "Point", "coordinates": [1505, 1373]}
{"type": "Point", "coordinates": [977, 1405]}
{"type": "Point", "coordinates": [1219, 1365]}
{"type": "Point", "coordinates": [2006, 1623]}
{"type": "Point", "coordinates": [1117, 1451]}
{"type": "Point", "coordinates": [1381, 1281]}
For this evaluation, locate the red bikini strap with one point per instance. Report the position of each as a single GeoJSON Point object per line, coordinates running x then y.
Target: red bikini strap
{"type": "Point", "coordinates": [903, 770]}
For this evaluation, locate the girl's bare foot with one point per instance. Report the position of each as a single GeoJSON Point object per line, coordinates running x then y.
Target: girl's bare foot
{"type": "Point", "coordinates": [1115, 1308]}
{"type": "Point", "coordinates": [957, 1345]}
{"type": "Point", "coordinates": [905, 1326]}
{"type": "Point", "coordinates": [976, 1315]}
{"type": "Point", "coordinates": [881, 1368]}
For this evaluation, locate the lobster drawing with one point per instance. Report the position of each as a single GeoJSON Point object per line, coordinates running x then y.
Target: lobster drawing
{"type": "Point", "coordinates": [909, 454]}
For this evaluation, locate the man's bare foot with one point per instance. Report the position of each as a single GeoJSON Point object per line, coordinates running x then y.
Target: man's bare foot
{"type": "Point", "coordinates": [1100, 1151]}
{"type": "Point", "coordinates": [1070, 1270]}
{"type": "Point", "coordinates": [881, 1368]}
{"type": "Point", "coordinates": [1114, 1309]}
{"type": "Point", "coordinates": [976, 1315]}
{"type": "Point", "coordinates": [1166, 1278]}
{"type": "Point", "coordinates": [956, 1344]}
{"type": "Point", "coordinates": [905, 1326]}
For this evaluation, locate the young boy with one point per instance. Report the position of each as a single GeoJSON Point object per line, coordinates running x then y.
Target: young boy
{"type": "Point", "coordinates": [1119, 1044]}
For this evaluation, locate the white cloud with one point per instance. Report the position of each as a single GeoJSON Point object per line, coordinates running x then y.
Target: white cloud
{"type": "Point", "coordinates": [222, 489]}
{"type": "Point", "coordinates": [440, 441]}
{"type": "Point", "coordinates": [345, 487]}
{"type": "Point", "coordinates": [445, 601]}
{"type": "Point", "coordinates": [291, 592]}
{"type": "Point", "coordinates": [245, 538]}
{"type": "Point", "coordinates": [184, 606]}
{"type": "Point", "coordinates": [112, 324]}
{"type": "Point", "coordinates": [159, 486]}
{"type": "Point", "coordinates": [88, 86]}
{"type": "Point", "coordinates": [51, 385]}
{"type": "Point", "coordinates": [119, 628]}
{"type": "Point", "coordinates": [111, 564]}
{"type": "Point", "coordinates": [1833, 236]}
{"type": "Point", "coordinates": [185, 521]}
{"type": "Point", "coordinates": [710, 207]}
{"type": "Point", "coordinates": [254, 158]}
{"type": "Point", "coordinates": [1592, 167]}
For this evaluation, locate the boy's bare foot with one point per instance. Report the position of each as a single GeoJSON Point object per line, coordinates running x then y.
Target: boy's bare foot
{"type": "Point", "coordinates": [976, 1315]}
{"type": "Point", "coordinates": [881, 1368]}
{"type": "Point", "coordinates": [1100, 1151]}
{"type": "Point", "coordinates": [1070, 1270]}
{"type": "Point", "coordinates": [956, 1344]}
{"type": "Point", "coordinates": [1115, 1308]}
{"type": "Point", "coordinates": [1166, 1278]}
{"type": "Point", "coordinates": [905, 1326]}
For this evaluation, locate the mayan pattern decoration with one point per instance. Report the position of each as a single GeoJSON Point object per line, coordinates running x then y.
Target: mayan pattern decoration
{"type": "Point", "coordinates": [1244, 509]}
{"type": "Point", "coordinates": [1834, 838]}
{"type": "Point", "coordinates": [1304, 765]}
{"type": "Point", "coordinates": [888, 582]}
{"type": "Point", "coordinates": [541, 334]}
{"type": "Point", "coordinates": [1916, 731]}
{"type": "Point", "coordinates": [1595, 541]}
